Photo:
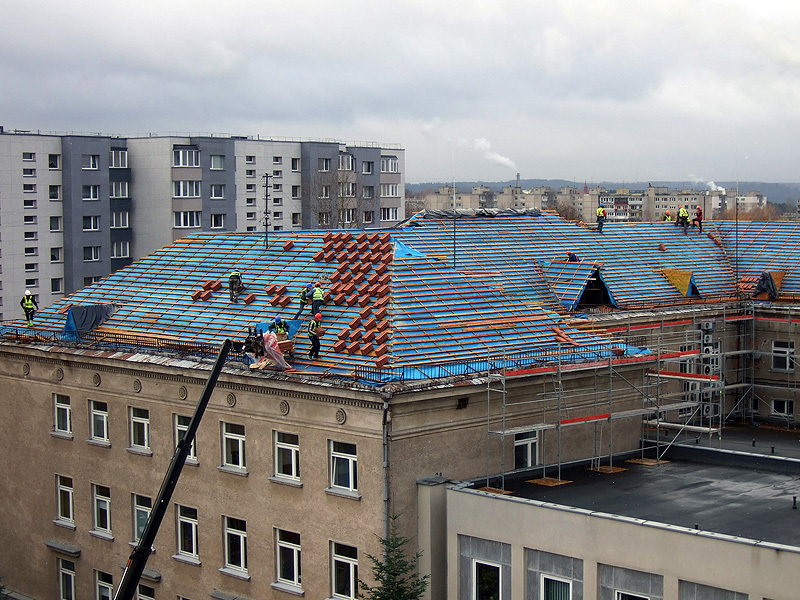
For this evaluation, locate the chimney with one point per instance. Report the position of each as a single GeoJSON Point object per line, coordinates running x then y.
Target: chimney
{"type": "Point", "coordinates": [517, 179]}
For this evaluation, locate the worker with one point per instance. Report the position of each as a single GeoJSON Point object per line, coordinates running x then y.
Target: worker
{"type": "Point", "coordinates": [235, 285]}
{"type": "Point", "coordinates": [698, 218]}
{"type": "Point", "coordinates": [313, 335]}
{"type": "Point", "coordinates": [305, 297]}
{"type": "Point", "coordinates": [30, 306]}
{"type": "Point", "coordinates": [683, 218]}
{"type": "Point", "coordinates": [601, 218]}
{"type": "Point", "coordinates": [572, 257]}
{"type": "Point", "coordinates": [317, 298]}
{"type": "Point", "coordinates": [278, 325]}
{"type": "Point", "coordinates": [668, 217]}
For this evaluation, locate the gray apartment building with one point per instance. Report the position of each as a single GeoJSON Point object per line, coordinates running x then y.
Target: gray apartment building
{"type": "Point", "coordinates": [74, 208]}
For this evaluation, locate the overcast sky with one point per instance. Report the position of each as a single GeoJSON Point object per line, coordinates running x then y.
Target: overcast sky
{"type": "Point", "coordinates": [583, 90]}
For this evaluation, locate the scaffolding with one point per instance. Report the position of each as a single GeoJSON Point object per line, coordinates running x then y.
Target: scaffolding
{"type": "Point", "coordinates": [700, 356]}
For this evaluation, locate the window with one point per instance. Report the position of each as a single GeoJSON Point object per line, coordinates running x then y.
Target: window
{"type": "Point", "coordinates": [91, 253]}
{"type": "Point", "coordinates": [119, 189]}
{"type": "Point", "coordinates": [186, 189]}
{"type": "Point", "coordinates": [31, 251]}
{"type": "Point", "coordinates": [217, 191]}
{"type": "Point", "coordinates": [288, 555]}
{"type": "Point", "coordinates": [119, 219]}
{"type": "Point", "coordinates": [27, 156]}
{"type": "Point", "coordinates": [525, 449]}
{"type": "Point", "coordinates": [277, 160]}
{"type": "Point", "coordinates": [324, 191]}
{"type": "Point", "coordinates": [98, 413]}
{"type": "Point", "coordinates": [104, 585]}
{"type": "Point", "coordinates": [53, 161]}
{"type": "Point", "coordinates": [250, 159]}
{"type": "Point", "coordinates": [217, 162]}
{"type": "Point", "coordinates": [344, 466]}
{"type": "Point", "coordinates": [783, 407]}
{"type": "Point", "coordinates": [233, 455]}
{"type": "Point", "coordinates": [251, 216]}
{"type": "Point", "coordinates": [56, 285]}
{"type": "Point", "coordinates": [783, 356]}
{"type": "Point", "coordinates": [324, 165]}
{"type": "Point", "coordinates": [56, 255]}
{"type": "Point", "coordinates": [90, 192]}
{"type": "Point", "coordinates": [347, 215]}
{"type": "Point", "coordinates": [324, 218]}
{"type": "Point", "coordinates": [235, 543]}
{"type": "Point", "coordinates": [250, 187]}
{"type": "Point", "coordinates": [287, 455]}
{"type": "Point", "coordinates": [486, 578]}
{"type": "Point", "coordinates": [181, 427]}
{"type": "Point", "coordinates": [145, 592]}
{"type": "Point", "coordinates": [277, 187]}
{"type": "Point", "coordinates": [369, 191]}
{"type": "Point", "coordinates": [368, 216]}
{"type": "Point", "coordinates": [389, 214]}
{"type": "Point", "coordinates": [28, 188]}
{"type": "Point", "coordinates": [250, 173]}
{"type": "Point", "coordinates": [278, 215]}
{"type": "Point", "coordinates": [101, 496]}
{"type": "Point", "coordinates": [627, 596]}
{"type": "Point", "coordinates": [189, 218]}
{"type": "Point", "coordinates": [296, 165]}
{"type": "Point", "coordinates": [140, 428]}
{"type": "Point", "coordinates": [29, 202]}
{"type": "Point", "coordinates": [30, 236]}
{"type": "Point", "coordinates": [142, 505]}
{"type": "Point", "coordinates": [91, 223]}
{"type": "Point", "coordinates": [65, 506]}
{"type": "Point", "coordinates": [186, 158]}
{"type": "Point", "coordinates": [118, 158]}
{"type": "Point", "coordinates": [29, 220]}
{"type": "Point", "coordinates": [91, 280]}
{"type": "Point", "coordinates": [277, 228]}
{"type": "Point", "coordinates": [217, 221]}
{"type": "Point", "coordinates": [120, 249]}
{"type": "Point", "coordinates": [187, 531]}
{"type": "Point", "coordinates": [29, 172]}
{"type": "Point", "coordinates": [346, 162]}
{"type": "Point", "coordinates": [66, 579]}
{"type": "Point", "coordinates": [344, 571]}
{"type": "Point", "coordinates": [389, 190]}
{"type": "Point", "coordinates": [390, 164]}
{"type": "Point", "coordinates": [90, 162]}
{"type": "Point", "coordinates": [555, 589]}
{"type": "Point", "coordinates": [347, 189]}
{"type": "Point", "coordinates": [297, 219]}
{"type": "Point", "coordinates": [54, 192]}
{"type": "Point", "coordinates": [367, 167]}
{"type": "Point", "coordinates": [295, 191]}
{"type": "Point", "coordinates": [62, 418]}
{"type": "Point", "coordinates": [250, 201]}
{"type": "Point", "coordinates": [251, 228]}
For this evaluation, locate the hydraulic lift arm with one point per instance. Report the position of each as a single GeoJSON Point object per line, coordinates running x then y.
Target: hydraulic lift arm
{"type": "Point", "coordinates": [133, 570]}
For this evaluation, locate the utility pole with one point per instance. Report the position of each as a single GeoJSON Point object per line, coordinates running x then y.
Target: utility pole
{"type": "Point", "coordinates": [267, 212]}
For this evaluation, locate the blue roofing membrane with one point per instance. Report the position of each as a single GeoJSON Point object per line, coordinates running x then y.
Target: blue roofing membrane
{"type": "Point", "coordinates": [401, 300]}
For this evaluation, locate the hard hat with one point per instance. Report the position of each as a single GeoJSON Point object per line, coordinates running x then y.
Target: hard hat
{"type": "Point", "coordinates": [318, 316]}
{"type": "Point", "coordinates": [277, 319]}
{"type": "Point", "coordinates": [27, 292]}
{"type": "Point", "coordinates": [310, 285]}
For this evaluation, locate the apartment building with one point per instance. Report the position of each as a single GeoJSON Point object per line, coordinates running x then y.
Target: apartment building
{"type": "Point", "coordinates": [74, 208]}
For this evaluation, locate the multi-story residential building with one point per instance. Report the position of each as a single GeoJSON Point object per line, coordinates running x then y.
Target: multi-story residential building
{"type": "Point", "coordinates": [74, 208]}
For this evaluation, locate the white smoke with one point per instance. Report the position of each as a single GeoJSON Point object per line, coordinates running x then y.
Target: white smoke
{"type": "Point", "coordinates": [714, 187]}
{"type": "Point", "coordinates": [483, 146]}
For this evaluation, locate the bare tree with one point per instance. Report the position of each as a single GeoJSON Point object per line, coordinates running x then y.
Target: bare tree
{"type": "Point", "coordinates": [568, 211]}
{"type": "Point", "coordinates": [337, 195]}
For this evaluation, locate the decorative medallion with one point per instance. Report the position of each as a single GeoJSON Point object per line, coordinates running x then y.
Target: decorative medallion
{"type": "Point", "coordinates": [137, 386]}
{"type": "Point", "coordinates": [231, 399]}
{"type": "Point", "coordinates": [183, 393]}
{"type": "Point", "coordinates": [341, 416]}
{"type": "Point", "coordinates": [284, 407]}
{"type": "Point", "coordinates": [96, 379]}
{"type": "Point", "coordinates": [26, 369]}
{"type": "Point", "coordinates": [59, 373]}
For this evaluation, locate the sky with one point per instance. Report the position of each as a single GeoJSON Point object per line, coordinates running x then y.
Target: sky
{"type": "Point", "coordinates": [582, 90]}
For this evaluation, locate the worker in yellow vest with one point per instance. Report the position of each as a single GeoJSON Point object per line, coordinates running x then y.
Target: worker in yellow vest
{"type": "Point", "coordinates": [30, 306]}
{"type": "Point", "coordinates": [317, 298]}
{"type": "Point", "coordinates": [601, 218]}
{"type": "Point", "coordinates": [313, 335]}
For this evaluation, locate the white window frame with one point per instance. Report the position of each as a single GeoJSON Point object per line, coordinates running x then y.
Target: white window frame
{"type": "Point", "coordinates": [324, 165]}
{"type": "Point", "coordinates": [368, 191]}
{"type": "Point", "coordinates": [65, 501]}
{"type": "Point", "coordinates": [186, 157]}
{"type": "Point", "coordinates": [119, 189]}
{"type": "Point", "coordinates": [180, 431]}
{"type": "Point", "coordinates": [287, 445]}
{"type": "Point", "coordinates": [142, 507]}
{"type": "Point", "coordinates": [324, 191]}
{"type": "Point", "coordinates": [139, 430]}
{"type": "Point", "coordinates": [29, 156]}
{"type": "Point", "coordinates": [390, 190]}
{"type": "Point", "coordinates": [188, 524]}
{"type": "Point", "coordinates": [351, 565]}
{"type": "Point", "coordinates": [788, 407]}
{"type": "Point", "coordinates": [29, 188]}
{"type": "Point", "coordinates": [390, 164]}
{"type": "Point", "coordinates": [93, 222]}
{"type": "Point", "coordinates": [347, 215]}
{"type": "Point", "coordinates": [118, 159]}
{"type": "Point", "coordinates": [98, 416]}
{"type": "Point", "coordinates": [277, 160]}
{"type": "Point", "coordinates": [346, 162]}
{"type": "Point", "coordinates": [93, 254]}
{"type": "Point", "coordinates": [121, 249]}
{"type": "Point", "coordinates": [145, 592]}
{"type": "Point", "coordinates": [59, 224]}
{"type": "Point", "coordinates": [217, 221]}
{"type": "Point", "coordinates": [233, 447]}
{"type": "Point", "coordinates": [120, 219]}
{"type": "Point", "coordinates": [530, 442]}
{"type": "Point", "coordinates": [347, 189]}
{"type": "Point", "coordinates": [187, 219]}
{"type": "Point", "coordinates": [217, 162]}
{"type": "Point", "coordinates": [66, 579]}
{"type": "Point", "coordinates": [90, 162]}
{"type": "Point", "coordinates": [389, 213]}
{"type": "Point", "coordinates": [296, 192]}
{"type": "Point", "coordinates": [186, 188]}
{"type": "Point", "coordinates": [367, 167]}
{"type": "Point", "coordinates": [544, 576]}
{"type": "Point", "coordinates": [368, 216]}
{"type": "Point", "coordinates": [103, 585]}
{"type": "Point", "coordinates": [29, 172]}
{"type": "Point", "coordinates": [235, 538]}
{"type": "Point", "coordinates": [288, 553]}
{"type": "Point", "coordinates": [217, 191]}
{"type": "Point", "coordinates": [54, 192]}
{"type": "Point", "coordinates": [783, 356]}
{"type": "Point", "coordinates": [54, 162]}
{"type": "Point", "coordinates": [296, 165]}
{"type": "Point", "coordinates": [62, 413]}
{"type": "Point", "coordinates": [56, 285]}
{"type": "Point", "coordinates": [340, 458]}
{"type": "Point", "coordinates": [621, 595]}
{"type": "Point", "coordinates": [101, 504]}
{"type": "Point", "coordinates": [90, 192]}
{"type": "Point", "coordinates": [249, 159]}
{"type": "Point", "coordinates": [324, 218]}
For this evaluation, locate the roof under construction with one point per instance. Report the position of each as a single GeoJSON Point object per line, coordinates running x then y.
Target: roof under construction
{"type": "Point", "coordinates": [437, 293]}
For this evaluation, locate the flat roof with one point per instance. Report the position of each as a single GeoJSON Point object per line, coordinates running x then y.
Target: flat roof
{"type": "Point", "coordinates": [711, 490]}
